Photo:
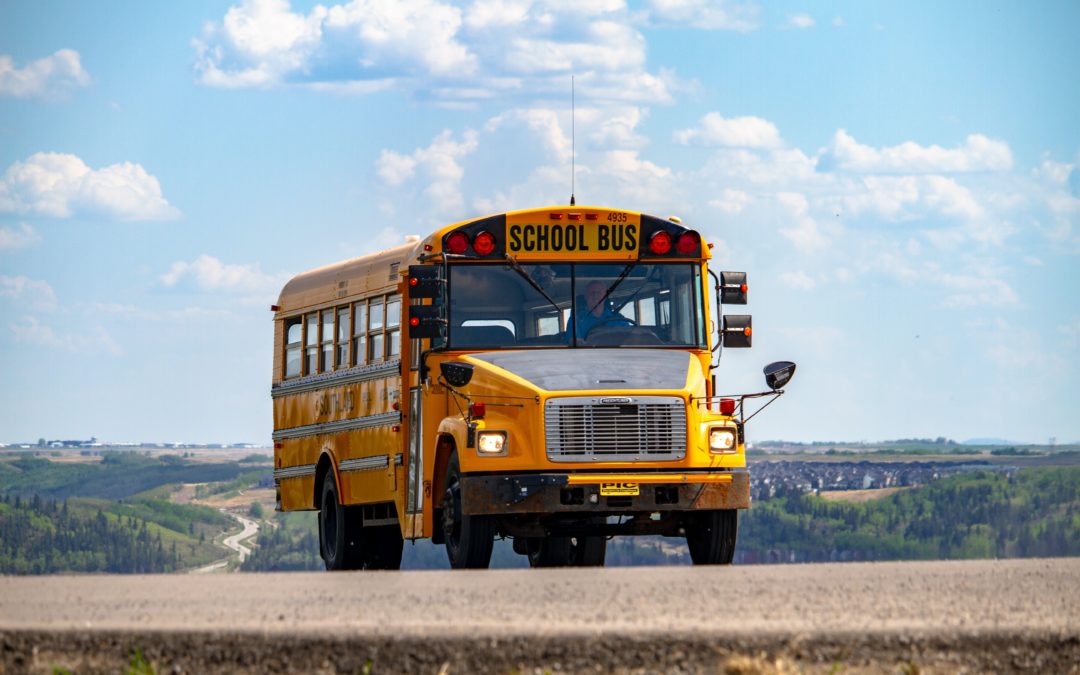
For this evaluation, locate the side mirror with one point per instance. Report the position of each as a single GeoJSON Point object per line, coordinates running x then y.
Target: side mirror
{"type": "Point", "coordinates": [737, 330]}
{"type": "Point", "coordinates": [778, 373]}
{"type": "Point", "coordinates": [424, 281]}
{"type": "Point", "coordinates": [456, 374]}
{"type": "Point", "coordinates": [733, 288]}
{"type": "Point", "coordinates": [426, 321]}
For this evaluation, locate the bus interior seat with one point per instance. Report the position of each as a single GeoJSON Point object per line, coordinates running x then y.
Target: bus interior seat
{"type": "Point", "coordinates": [483, 336]}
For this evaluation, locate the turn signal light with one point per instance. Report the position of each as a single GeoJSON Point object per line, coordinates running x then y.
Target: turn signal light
{"type": "Point", "coordinates": [660, 243]}
{"type": "Point", "coordinates": [687, 243]}
{"type": "Point", "coordinates": [727, 406]}
{"type": "Point", "coordinates": [477, 411]}
{"type": "Point", "coordinates": [484, 243]}
{"type": "Point", "coordinates": [457, 242]}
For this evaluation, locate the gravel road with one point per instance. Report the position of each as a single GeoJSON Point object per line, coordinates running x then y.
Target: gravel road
{"type": "Point", "coordinates": [930, 616]}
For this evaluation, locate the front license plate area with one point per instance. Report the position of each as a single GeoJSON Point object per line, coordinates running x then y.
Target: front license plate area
{"type": "Point", "coordinates": [619, 489]}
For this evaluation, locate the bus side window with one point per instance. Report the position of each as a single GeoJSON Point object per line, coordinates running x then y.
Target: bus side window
{"type": "Point", "coordinates": [647, 312]}
{"type": "Point", "coordinates": [327, 340]}
{"type": "Point", "coordinates": [312, 344]}
{"type": "Point", "coordinates": [360, 333]}
{"type": "Point", "coordinates": [294, 334]}
{"type": "Point", "coordinates": [393, 325]}
{"type": "Point", "coordinates": [375, 330]}
{"type": "Point", "coordinates": [344, 333]}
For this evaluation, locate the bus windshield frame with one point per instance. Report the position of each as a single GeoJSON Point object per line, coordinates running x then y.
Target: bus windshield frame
{"type": "Point", "coordinates": [512, 305]}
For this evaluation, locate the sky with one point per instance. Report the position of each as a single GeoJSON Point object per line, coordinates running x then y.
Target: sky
{"type": "Point", "coordinates": [900, 181]}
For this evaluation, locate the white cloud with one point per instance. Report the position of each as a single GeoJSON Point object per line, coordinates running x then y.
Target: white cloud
{"type": "Point", "coordinates": [704, 14]}
{"type": "Point", "coordinates": [730, 201]}
{"type": "Point", "coordinates": [441, 164]}
{"type": "Point", "coordinates": [619, 129]}
{"type": "Point", "coordinates": [804, 231]}
{"type": "Point", "coordinates": [544, 122]}
{"type": "Point", "coordinates": [735, 132]}
{"type": "Point", "coordinates": [62, 185]}
{"type": "Point", "coordinates": [838, 21]}
{"type": "Point", "coordinates": [49, 77]}
{"type": "Point", "coordinates": [800, 21]}
{"type": "Point", "coordinates": [899, 198]}
{"type": "Point", "coordinates": [968, 290]}
{"type": "Point", "coordinates": [31, 331]}
{"type": "Point", "coordinates": [27, 292]}
{"type": "Point", "coordinates": [978, 153]}
{"type": "Point", "coordinates": [12, 239]}
{"type": "Point", "coordinates": [207, 273]}
{"type": "Point", "coordinates": [440, 52]}
{"type": "Point", "coordinates": [800, 281]}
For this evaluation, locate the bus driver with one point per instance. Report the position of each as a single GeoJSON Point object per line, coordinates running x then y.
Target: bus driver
{"type": "Point", "coordinates": [600, 311]}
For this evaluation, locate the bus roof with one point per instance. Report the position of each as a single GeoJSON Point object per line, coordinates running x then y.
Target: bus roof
{"type": "Point", "coordinates": [330, 283]}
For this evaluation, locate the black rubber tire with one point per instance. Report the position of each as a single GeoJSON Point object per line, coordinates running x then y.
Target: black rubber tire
{"type": "Point", "coordinates": [341, 543]}
{"type": "Point", "coordinates": [549, 551]}
{"type": "Point", "coordinates": [588, 551]}
{"type": "Point", "coordinates": [577, 551]}
{"type": "Point", "coordinates": [469, 539]}
{"type": "Point", "coordinates": [711, 535]}
{"type": "Point", "coordinates": [384, 546]}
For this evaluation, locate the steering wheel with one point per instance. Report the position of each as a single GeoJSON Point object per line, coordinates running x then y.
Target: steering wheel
{"type": "Point", "coordinates": [615, 321]}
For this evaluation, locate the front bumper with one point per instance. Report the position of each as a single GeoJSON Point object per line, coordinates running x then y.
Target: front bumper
{"type": "Point", "coordinates": [579, 493]}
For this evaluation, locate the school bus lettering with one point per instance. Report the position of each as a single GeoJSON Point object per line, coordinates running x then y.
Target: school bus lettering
{"type": "Point", "coordinates": [571, 238]}
{"type": "Point", "coordinates": [551, 381]}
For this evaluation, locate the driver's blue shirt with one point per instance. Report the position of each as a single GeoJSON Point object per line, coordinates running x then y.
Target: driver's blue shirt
{"type": "Point", "coordinates": [588, 321]}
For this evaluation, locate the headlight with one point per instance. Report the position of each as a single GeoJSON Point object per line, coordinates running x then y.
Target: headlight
{"type": "Point", "coordinates": [491, 443]}
{"type": "Point", "coordinates": [722, 440]}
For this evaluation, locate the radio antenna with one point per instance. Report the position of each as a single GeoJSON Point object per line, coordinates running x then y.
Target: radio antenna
{"type": "Point", "coordinates": [573, 141]}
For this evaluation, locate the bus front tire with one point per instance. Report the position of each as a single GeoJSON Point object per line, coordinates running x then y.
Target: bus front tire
{"type": "Point", "coordinates": [340, 536]}
{"type": "Point", "coordinates": [711, 535]}
{"type": "Point", "coordinates": [469, 539]}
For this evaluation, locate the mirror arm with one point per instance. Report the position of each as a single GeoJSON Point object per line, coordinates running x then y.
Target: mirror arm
{"type": "Point", "coordinates": [719, 327]}
{"type": "Point", "coordinates": [775, 395]}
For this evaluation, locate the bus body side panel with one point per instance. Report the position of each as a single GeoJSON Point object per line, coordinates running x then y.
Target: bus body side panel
{"type": "Point", "coordinates": [279, 351]}
{"type": "Point", "coordinates": [366, 464]}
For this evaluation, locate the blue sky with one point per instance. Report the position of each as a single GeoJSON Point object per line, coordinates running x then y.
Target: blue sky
{"type": "Point", "coordinates": [900, 181]}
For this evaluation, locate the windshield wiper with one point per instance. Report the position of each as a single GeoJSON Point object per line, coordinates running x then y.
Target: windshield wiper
{"type": "Point", "coordinates": [633, 297]}
{"type": "Point", "coordinates": [615, 284]}
{"type": "Point", "coordinates": [516, 266]}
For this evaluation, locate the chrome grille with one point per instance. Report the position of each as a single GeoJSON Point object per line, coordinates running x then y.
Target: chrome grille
{"type": "Point", "coordinates": [615, 428]}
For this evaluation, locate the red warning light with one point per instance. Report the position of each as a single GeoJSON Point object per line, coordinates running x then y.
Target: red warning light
{"type": "Point", "coordinates": [660, 243]}
{"type": "Point", "coordinates": [484, 243]}
{"type": "Point", "coordinates": [457, 242]}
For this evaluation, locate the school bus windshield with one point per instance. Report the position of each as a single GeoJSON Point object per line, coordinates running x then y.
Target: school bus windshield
{"type": "Point", "coordinates": [521, 305]}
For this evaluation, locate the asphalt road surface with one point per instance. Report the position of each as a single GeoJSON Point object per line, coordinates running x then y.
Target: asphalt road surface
{"type": "Point", "coordinates": [850, 617]}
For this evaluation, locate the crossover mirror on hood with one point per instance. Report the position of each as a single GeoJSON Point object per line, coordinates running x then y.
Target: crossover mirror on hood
{"type": "Point", "coordinates": [456, 374]}
{"type": "Point", "coordinates": [778, 373]}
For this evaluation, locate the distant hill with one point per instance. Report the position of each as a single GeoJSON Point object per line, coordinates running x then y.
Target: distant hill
{"type": "Point", "coordinates": [991, 441]}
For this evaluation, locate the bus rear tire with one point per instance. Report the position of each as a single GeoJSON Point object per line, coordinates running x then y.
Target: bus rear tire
{"type": "Point", "coordinates": [711, 535]}
{"type": "Point", "coordinates": [384, 546]}
{"type": "Point", "coordinates": [579, 551]}
{"type": "Point", "coordinates": [469, 539]}
{"type": "Point", "coordinates": [341, 540]}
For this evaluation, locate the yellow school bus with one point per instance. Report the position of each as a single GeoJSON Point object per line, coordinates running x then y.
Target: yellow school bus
{"type": "Point", "coordinates": [544, 375]}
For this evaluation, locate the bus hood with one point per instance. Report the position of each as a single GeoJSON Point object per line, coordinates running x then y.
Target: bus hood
{"type": "Point", "coordinates": [590, 369]}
